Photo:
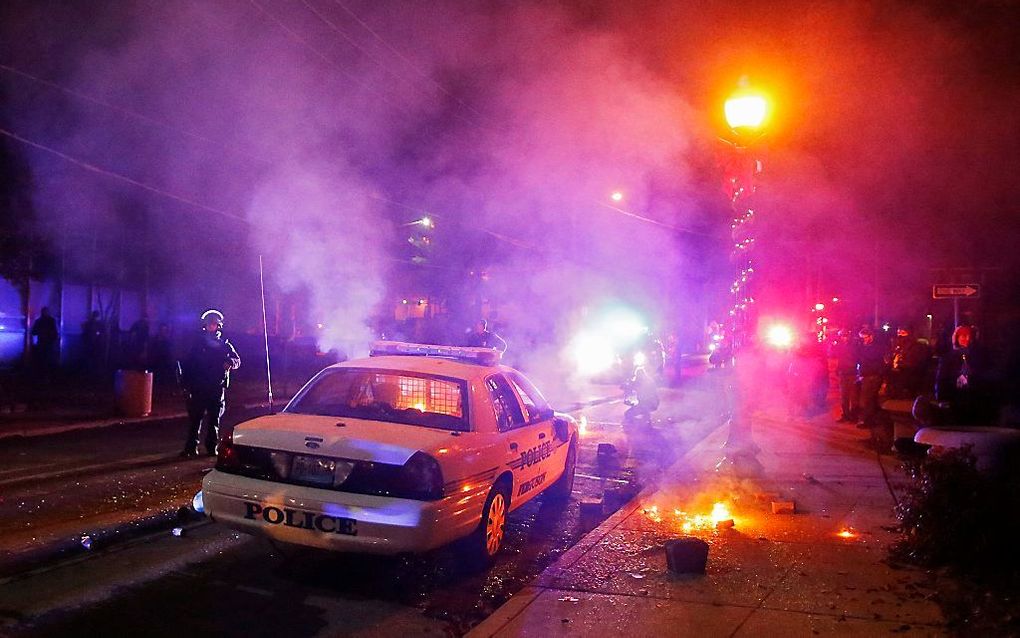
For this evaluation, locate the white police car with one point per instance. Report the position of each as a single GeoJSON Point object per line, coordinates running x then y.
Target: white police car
{"type": "Point", "coordinates": [403, 451]}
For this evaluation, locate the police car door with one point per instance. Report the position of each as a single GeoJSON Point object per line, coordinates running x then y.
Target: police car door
{"type": "Point", "coordinates": [551, 455]}
{"type": "Point", "coordinates": [520, 442]}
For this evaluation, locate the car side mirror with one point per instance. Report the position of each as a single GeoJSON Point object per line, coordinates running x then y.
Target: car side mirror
{"type": "Point", "coordinates": [543, 414]}
{"type": "Point", "coordinates": [561, 429]}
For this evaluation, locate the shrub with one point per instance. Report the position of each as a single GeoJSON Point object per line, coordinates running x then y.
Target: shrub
{"type": "Point", "coordinates": [955, 516]}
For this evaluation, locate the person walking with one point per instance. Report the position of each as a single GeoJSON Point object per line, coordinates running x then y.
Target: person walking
{"type": "Point", "coordinates": [205, 376]}
{"type": "Point", "coordinates": [871, 368]}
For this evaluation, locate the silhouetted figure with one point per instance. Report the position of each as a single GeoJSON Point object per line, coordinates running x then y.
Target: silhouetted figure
{"type": "Point", "coordinates": [845, 354]}
{"type": "Point", "coordinates": [138, 343]}
{"type": "Point", "coordinates": [93, 332]}
{"type": "Point", "coordinates": [205, 376]}
{"type": "Point", "coordinates": [482, 337]}
{"type": "Point", "coordinates": [45, 344]}
{"type": "Point", "coordinates": [808, 376]}
{"type": "Point", "coordinates": [161, 356]}
{"type": "Point", "coordinates": [910, 359]}
{"type": "Point", "coordinates": [645, 397]}
{"type": "Point", "coordinates": [871, 369]}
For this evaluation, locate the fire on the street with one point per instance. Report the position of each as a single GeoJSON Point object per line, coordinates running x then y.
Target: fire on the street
{"type": "Point", "coordinates": [719, 518]}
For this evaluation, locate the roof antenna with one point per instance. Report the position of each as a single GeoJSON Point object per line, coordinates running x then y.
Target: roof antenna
{"type": "Point", "coordinates": [265, 334]}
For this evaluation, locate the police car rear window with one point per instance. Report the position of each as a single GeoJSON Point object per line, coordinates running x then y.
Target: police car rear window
{"type": "Point", "coordinates": [386, 395]}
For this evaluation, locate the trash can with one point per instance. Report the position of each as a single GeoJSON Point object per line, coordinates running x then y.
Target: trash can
{"type": "Point", "coordinates": [132, 391]}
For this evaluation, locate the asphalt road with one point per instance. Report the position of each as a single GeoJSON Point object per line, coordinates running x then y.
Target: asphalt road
{"type": "Point", "coordinates": [209, 579]}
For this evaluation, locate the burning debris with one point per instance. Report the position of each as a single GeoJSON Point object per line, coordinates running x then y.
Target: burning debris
{"type": "Point", "coordinates": [719, 518]}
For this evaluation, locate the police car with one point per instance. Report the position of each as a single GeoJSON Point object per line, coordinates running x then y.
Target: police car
{"type": "Point", "coordinates": [403, 451]}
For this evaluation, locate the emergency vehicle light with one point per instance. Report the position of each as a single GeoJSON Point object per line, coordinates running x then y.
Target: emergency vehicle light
{"type": "Point", "coordinates": [483, 356]}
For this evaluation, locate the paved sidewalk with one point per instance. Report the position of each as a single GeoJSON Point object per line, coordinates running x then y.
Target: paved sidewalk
{"type": "Point", "coordinates": [772, 574]}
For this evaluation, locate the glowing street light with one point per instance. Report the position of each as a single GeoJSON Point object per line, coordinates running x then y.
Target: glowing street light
{"type": "Point", "coordinates": [746, 110]}
{"type": "Point", "coordinates": [617, 196]}
{"type": "Point", "coordinates": [779, 336]}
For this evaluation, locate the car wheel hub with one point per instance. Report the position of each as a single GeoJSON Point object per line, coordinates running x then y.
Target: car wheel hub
{"type": "Point", "coordinates": [495, 524]}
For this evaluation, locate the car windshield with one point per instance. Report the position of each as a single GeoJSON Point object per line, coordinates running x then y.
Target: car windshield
{"type": "Point", "coordinates": [409, 398]}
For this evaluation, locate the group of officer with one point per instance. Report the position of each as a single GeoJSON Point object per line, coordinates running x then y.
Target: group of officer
{"type": "Point", "coordinates": [864, 365]}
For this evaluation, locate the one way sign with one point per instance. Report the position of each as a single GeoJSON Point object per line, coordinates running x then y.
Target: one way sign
{"type": "Point", "coordinates": [955, 291]}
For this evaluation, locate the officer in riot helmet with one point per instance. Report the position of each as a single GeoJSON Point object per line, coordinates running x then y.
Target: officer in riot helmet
{"type": "Point", "coordinates": [482, 337]}
{"type": "Point", "coordinates": [205, 376]}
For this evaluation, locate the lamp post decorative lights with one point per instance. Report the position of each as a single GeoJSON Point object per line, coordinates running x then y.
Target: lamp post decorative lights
{"type": "Point", "coordinates": [746, 114]}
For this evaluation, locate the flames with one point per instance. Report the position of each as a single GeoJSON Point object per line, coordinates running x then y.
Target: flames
{"type": "Point", "coordinates": [719, 518]}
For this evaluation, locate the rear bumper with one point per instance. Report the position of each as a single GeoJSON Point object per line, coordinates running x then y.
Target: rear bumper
{"type": "Point", "coordinates": [337, 520]}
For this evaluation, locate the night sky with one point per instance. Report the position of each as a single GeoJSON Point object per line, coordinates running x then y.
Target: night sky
{"type": "Point", "coordinates": [201, 134]}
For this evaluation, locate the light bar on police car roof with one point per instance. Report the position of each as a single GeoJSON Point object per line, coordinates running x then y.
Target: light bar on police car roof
{"type": "Point", "coordinates": [484, 356]}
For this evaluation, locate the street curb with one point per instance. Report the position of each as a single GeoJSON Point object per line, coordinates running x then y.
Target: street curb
{"type": "Point", "coordinates": [547, 579]}
{"type": "Point", "coordinates": [104, 538]}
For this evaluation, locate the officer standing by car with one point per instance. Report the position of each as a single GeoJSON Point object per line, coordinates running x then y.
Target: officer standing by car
{"type": "Point", "coordinates": [205, 376]}
{"type": "Point", "coordinates": [482, 337]}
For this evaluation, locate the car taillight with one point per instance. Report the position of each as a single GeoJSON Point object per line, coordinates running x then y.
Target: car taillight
{"type": "Point", "coordinates": [420, 478]}
{"type": "Point", "coordinates": [227, 457]}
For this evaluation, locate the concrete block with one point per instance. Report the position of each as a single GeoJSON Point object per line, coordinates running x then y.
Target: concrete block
{"type": "Point", "coordinates": [686, 555]}
{"type": "Point", "coordinates": [783, 507]}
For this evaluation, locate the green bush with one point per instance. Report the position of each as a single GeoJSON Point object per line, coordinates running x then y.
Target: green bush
{"type": "Point", "coordinates": [955, 516]}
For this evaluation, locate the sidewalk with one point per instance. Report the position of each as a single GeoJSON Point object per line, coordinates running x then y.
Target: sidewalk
{"type": "Point", "coordinates": [67, 412]}
{"type": "Point", "coordinates": [771, 574]}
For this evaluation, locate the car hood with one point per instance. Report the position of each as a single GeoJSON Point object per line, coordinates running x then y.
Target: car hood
{"type": "Point", "coordinates": [357, 439]}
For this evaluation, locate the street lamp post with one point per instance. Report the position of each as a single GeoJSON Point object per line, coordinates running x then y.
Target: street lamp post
{"type": "Point", "coordinates": [746, 112]}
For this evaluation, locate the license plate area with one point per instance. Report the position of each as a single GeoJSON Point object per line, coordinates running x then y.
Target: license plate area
{"type": "Point", "coordinates": [314, 470]}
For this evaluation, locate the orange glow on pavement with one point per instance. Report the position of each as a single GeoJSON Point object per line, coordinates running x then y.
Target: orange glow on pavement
{"type": "Point", "coordinates": [719, 518]}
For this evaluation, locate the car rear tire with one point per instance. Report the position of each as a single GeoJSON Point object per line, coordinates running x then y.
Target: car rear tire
{"type": "Point", "coordinates": [564, 485]}
{"type": "Point", "coordinates": [488, 540]}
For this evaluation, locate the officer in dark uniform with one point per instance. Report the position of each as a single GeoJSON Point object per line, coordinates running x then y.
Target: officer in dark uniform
{"type": "Point", "coordinates": [872, 364]}
{"type": "Point", "coordinates": [205, 375]}
{"type": "Point", "coordinates": [482, 337]}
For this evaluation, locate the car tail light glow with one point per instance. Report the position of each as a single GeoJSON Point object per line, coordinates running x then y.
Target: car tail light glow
{"type": "Point", "coordinates": [421, 478]}
{"type": "Point", "coordinates": [227, 457]}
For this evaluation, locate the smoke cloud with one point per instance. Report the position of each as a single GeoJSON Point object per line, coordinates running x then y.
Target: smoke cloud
{"type": "Point", "coordinates": [311, 131]}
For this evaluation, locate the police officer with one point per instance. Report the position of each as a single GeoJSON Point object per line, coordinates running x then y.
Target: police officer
{"type": "Point", "coordinates": [205, 375]}
{"type": "Point", "coordinates": [482, 337]}
{"type": "Point", "coordinates": [871, 370]}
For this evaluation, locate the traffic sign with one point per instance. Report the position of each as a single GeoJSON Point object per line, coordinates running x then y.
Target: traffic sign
{"type": "Point", "coordinates": [956, 291]}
